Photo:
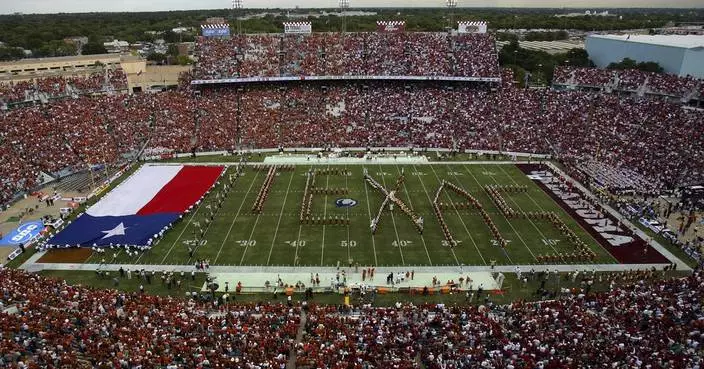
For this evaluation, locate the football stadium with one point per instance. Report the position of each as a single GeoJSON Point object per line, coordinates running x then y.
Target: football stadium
{"type": "Point", "coordinates": [387, 199]}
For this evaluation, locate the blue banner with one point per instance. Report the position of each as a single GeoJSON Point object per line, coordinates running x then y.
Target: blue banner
{"type": "Point", "coordinates": [23, 233]}
{"type": "Point", "coordinates": [216, 32]}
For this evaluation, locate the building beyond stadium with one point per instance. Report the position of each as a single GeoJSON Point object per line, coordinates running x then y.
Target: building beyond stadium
{"type": "Point", "coordinates": [680, 55]}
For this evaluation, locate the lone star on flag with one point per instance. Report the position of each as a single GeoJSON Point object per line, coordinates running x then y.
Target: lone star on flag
{"type": "Point", "coordinates": [119, 230]}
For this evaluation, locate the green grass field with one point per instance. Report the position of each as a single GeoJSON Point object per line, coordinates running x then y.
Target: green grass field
{"type": "Point", "coordinates": [275, 237]}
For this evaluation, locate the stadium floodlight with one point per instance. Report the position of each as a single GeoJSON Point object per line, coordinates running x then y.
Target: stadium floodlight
{"type": "Point", "coordinates": [451, 5]}
{"type": "Point", "coordinates": [237, 6]}
{"type": "Point", "coordinates": [344, 5]}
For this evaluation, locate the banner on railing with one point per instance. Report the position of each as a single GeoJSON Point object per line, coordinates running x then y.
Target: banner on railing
{"type": "Point", "coordinates": [471, 27]}
{"type": "Point", "coordinates": [346, 78]}
{"type": "Point", "coordinates": [390, 26]}
{"type": "Point", "coordinates": [298, 27]}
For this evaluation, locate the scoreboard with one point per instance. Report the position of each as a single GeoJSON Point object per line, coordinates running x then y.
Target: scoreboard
{"type": "Point", "coordinates": [215, 30]}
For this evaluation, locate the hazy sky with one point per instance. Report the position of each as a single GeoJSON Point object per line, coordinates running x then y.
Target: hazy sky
{"type": "Point", "coordinates": [71, 6]}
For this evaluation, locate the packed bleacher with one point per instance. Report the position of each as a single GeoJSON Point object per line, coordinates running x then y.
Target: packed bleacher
{"type": "Point", "coordinates": [636, 325]}
{"type": "Point", "coordinates": [57, 325]}
{"type": "Point", "coordinates": [658, 140]}
{"type": "Point", "coordinates": [55, 87]}
{"type": "Point", "coordinates": [630, 80]}
{"type": "Point", "coordinates": [639, 322]}
{"type": "Point", "coordinates": [68, 134]}
{"type": "Point", "coordinates": [352, 54]}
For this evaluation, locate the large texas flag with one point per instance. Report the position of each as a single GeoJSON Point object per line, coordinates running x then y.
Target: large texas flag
{"type": "Point", "coordinates": [139, 208]}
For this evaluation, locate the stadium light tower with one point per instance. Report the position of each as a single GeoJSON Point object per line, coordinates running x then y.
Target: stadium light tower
{"type": "Point", "coordinates": [451, 5]}
{"type": "Point", "coordinates": [344, 5]}
{"type": "Point", "coordinates": [236, 9]}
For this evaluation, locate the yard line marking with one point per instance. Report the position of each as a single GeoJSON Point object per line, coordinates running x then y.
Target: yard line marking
{"type": "Point", "coordinates": [349, 255]}
{"type": "Point", "coordinates": [182, 231]}
{"type": "Point", "coordinates": [227, 235]}
{"type": "Point", "coordinates": [369, 212]}
{"type": "Point", "coordinates": [206, 230]}
{"type": "Point", "coordinates": [256, 221]}
{"type": "Point", "coordinates": [507, 221]}
{"type": "Point", "coordinates": [300, 227]}
{"type": "Point", "coordinates": [280, 215]}
{"type": "Point", "coordinates": [325, 215]}
{"type": "Point", "coordinates": [452, 249]}
{"type": "Point", "coordinates": [244, 198]}
{"type": "Point", "coordinates": [393, 220]}
{"type": "Point", "coordinates": [541, 208]}
{"type": "Point", "coordinates": [410, 203]}
{"type": "Point", "coordinates": [460, 216]}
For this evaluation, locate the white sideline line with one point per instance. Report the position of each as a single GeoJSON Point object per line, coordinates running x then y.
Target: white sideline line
{"type": "Point", "coordinates": [317, 269]}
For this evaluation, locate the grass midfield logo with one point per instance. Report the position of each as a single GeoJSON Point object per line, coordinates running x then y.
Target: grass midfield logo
{"type": "Point", "coordinates": [345, 203]}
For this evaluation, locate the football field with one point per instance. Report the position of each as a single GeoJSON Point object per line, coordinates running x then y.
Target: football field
{"type": "Point", "coordinates": [258, 221]}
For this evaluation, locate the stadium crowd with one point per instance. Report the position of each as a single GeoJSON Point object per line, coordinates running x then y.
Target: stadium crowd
{"type": "Point", "coordinates": [57, 86]}
{"type": "Point", "coordinates": [351, 54]}
{"type": "Point", "coordinates": [639, 322]}
{"type": "Point", "coordinates": [629, 80]}
{"type": "Point", "coordinates": [656, 139]}
{"type": "Point", "coordinates": [61, 326]}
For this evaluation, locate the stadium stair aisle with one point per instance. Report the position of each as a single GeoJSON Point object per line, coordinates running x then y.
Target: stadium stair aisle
{"type": "Point", "coordinates": [299, 338]}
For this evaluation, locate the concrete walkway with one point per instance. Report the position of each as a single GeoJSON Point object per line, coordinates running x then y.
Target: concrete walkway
{"type": "Point", "coordinates": [32, 266]}
{"type": "Point", "coordinates": [299, 338]}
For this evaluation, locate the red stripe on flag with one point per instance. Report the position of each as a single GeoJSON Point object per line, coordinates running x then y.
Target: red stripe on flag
{"type": "Point", "coordinates": [183, 190]}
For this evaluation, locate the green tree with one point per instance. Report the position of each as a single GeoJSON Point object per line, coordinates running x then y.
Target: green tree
{"type": "Point", "coordinates": [93, 47]}
{"type": "Point", "coordinates": [183, 60]}
{"type": "Point", "coordinates": [172, 50]}
{"type": "Point", "coordinates": [650, 67]}
{"type": "Point", "coordinates": [56, 48]}
{"type": "Point", "coordinates": [578, 58]}
{"type": "Point", "coordinates": [626, 63]}
{"type": "Point", "coordinates": [157, 57]}
{"type": "Point", "coordinates": [11, 53]}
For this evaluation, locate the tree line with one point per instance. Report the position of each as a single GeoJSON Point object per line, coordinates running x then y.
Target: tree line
{"type": "Point", "coordinates": [43, 34]}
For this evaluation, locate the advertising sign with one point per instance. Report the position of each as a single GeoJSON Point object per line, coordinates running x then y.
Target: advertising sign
{"type": "Point", "coordinates": [215, 30]}
{"type": "Point", "coordinates": [390, 26]}
{"type": "Point", "coordinates": [298, 27]}
{"type": "Point", "coordinates": [471, 27]}
{"type": "Point", "coordinates": [22, 234]}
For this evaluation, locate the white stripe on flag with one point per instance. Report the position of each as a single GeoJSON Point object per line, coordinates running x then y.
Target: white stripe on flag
{"type": "Point", "coordinates": [137, 191]}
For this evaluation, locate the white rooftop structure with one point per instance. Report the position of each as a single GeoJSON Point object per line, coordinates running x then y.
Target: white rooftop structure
{"type": "Point", "coordinates": [685, 41]}
{"type": "Point", "coordinates": [682, 55]}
